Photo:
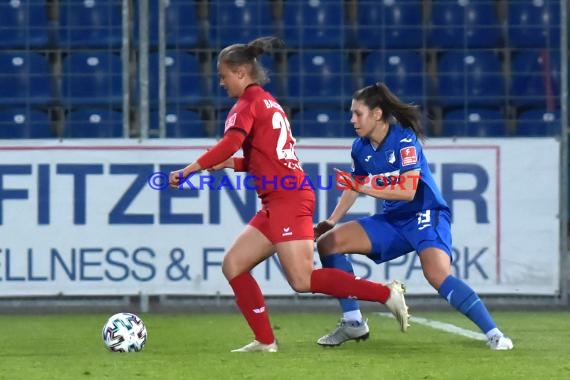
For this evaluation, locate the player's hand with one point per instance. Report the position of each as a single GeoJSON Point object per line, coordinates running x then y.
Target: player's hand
{"type": "Point", "coordinates": [345, 179]}
{"type": "Point", "coordinates": [322, 227]}
{"type": "Point", "coordinates": [174, 178]}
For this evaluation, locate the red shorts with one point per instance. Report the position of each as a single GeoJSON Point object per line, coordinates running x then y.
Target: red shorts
{"type": "Point", "coordinates": [286, 215]}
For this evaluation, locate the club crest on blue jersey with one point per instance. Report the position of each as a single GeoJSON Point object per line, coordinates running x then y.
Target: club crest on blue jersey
{"type": "Point", "coordinates": [403, 153]}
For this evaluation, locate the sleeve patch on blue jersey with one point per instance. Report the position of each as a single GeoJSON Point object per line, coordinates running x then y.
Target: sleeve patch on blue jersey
{"type": "Point", "coordinates": [408, 155]}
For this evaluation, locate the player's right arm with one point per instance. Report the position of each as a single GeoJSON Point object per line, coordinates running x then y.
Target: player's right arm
{"type": "Point", "coordinates": [344, 204]}
{"type": "Point", "coordinates": [239, 164]}
{"type": "Point", "coordinates": [347, 198]}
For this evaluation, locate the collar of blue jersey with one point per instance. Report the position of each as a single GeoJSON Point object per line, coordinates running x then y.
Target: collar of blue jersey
{"type": "Point", "coordinates": [390, 127]}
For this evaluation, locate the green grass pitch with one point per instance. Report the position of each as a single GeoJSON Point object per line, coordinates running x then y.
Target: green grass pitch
{"type": "Point", "coordinates": [196, 346]}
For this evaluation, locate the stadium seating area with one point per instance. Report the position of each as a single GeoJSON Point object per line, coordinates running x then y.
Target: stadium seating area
{"type": "Point", "coordinates": [476, 68]}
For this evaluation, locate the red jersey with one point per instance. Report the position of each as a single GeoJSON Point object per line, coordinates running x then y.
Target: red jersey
{"type": "Point", "coordinates": [268, 148]}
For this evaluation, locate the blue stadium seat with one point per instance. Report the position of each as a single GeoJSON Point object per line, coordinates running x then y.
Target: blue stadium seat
{"type": "Point", "coordinates": [93, 123]}
{"type": "Point", "coordinates": [533, 24]}
{"type": "Point", "coordinates": [473, 78]}
{"type": "Point", "coordinates": [183, 77]}
{"type": "Point", "coordinates": [314, 23]}
{"type": "Point", "coordinates": [276, 85]}
{"type": "Point", "coordinates": [179, 123]}
{"type": "Point", "coordinates": [322, 122]}
{"type": "Point", "coordinates": [221, 114]}
{"type": "Point", "coordinates": [389, 24]}
{"type": "Point", "coordinates": [460, 24]}
{"type": "Point", "coordinates": [402, 71]}
{"type": "Point", "coordinates": [23, 123]}
{"type": "Point", "coordinates": [538, 122]}
{"type": "Point", "coordinates": [90, 23]}
{"type": "Point", "coordinates": [23, 24]}
{"type": "Point", "coordinates": [475, 122]}
{"type": "Point", "coordinates": [93, 78]}
{"type": "Point", "coordinates": [535, 79]}
{"type": "Point", "coordinates": [239, 21]}
{"type": "Point", "coordinates": [219, 95]}
{"type": "Point", "coordinates": [25, 78]}
{"type": "Point", "coordinates": [319, 77]}
{"type": "Point", "coordinates": [181, 25]}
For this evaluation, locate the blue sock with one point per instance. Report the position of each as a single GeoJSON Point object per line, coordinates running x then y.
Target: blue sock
{"type": "Point", "coordinates": [463, 298]}
{"type": "Point", "coordinates": [340, 261]}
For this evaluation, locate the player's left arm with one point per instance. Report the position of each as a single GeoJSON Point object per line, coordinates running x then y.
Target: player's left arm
{"type": "Point", "coordinates": [402, 190]}
{"type": "Point", "coordinates": [236, 128]}
{"type": "Point", "coordinates": [395, 188]}
{"type": "Point", "coordinates": [238, 164]}
{"type": "Point", "coordinates": [218, 154]}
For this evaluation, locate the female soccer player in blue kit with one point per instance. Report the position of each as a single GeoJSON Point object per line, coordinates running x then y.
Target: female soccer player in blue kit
{"type": "Point", "coordinates": [415, 215]}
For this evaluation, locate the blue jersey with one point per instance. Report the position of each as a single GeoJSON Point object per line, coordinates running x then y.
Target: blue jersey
{"type": "Point", "coordinates": [400, 152]}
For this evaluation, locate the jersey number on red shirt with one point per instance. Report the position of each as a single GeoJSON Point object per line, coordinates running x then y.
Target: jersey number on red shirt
{"type": "Point", "coordinates": [281, 123]}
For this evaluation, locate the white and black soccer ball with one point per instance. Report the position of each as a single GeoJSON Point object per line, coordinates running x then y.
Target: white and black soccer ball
{"type": "Point", "coordinates": [124, 332]}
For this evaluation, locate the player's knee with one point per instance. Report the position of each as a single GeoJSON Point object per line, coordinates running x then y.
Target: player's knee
{"type": "Point", "coordinates": [435, 274]}
{"type": "Point", "coordinates": [325, 246]}
{"type": "Point", "coordinates": [229, 269]}
{"type": "Point", "coordinates": [300, 284]}
{"type": "Point", "coordinates": [435, 279]}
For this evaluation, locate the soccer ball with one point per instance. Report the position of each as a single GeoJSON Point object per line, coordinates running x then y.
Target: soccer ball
{"type": "Point", "coordinates": [124, 332]}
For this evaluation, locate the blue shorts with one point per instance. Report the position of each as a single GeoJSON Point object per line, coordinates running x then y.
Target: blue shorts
{"type": "Point", "coordinates": [392, 237]}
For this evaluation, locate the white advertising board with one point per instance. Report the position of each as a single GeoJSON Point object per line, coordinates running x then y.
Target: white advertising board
{"type": "Point", "coordinates": [85, 217]}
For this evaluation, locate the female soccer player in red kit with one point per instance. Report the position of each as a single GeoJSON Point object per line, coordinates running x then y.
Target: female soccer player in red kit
{"type": "Point", "coordinates": [284, 225]}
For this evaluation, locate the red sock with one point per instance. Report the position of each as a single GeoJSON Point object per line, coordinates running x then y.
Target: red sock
{"type": "Point", "coordinates": [340, 284]}
{"type": "Point", "coordinates": [252, 305]}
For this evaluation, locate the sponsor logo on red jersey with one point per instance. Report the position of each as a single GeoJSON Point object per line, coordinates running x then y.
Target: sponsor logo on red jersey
{"type": "Point", "coordinates": [230, 122]}
{"type": "Point", "coordinates": [408, 155]}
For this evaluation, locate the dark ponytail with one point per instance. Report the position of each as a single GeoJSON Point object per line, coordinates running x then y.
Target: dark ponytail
{"type": "Point", "coordinates": [263, 45]}
{"type": "Point", "coordinates": [246, 54]}
{"type": "Point", "coordinates": [379, 95]}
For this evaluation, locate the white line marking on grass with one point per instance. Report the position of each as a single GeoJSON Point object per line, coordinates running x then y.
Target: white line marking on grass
{"type": "Point", "coordinates": [447, 327]}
